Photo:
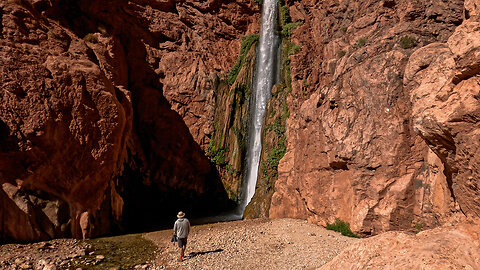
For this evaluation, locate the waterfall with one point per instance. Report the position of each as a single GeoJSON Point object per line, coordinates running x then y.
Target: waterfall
{"type": "Point", "coordinates": [264, 80]}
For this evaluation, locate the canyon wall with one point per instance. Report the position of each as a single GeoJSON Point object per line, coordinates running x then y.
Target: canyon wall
{"type": "Point", "coordinates": [107, 108]}
{"type": "Point", "coordinates": [384, 118]}
{"type": "Point", "coordinates": [117, 114]}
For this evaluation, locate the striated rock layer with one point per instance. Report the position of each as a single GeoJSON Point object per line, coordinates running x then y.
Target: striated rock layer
{"type": "Point", "coordinates": [383, 131]}
{"type": "Point", "coordinates": [105, 108]}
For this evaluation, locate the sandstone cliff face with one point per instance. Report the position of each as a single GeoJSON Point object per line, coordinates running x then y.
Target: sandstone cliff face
{"type": "Point", "coordinates": [64, 127]}
{"type": "Point", "coordinates": [442, 79]}
{"type": "Point", "coordinates": [105, 110]}
{"type": "Point", "coordinates": [354, 151]}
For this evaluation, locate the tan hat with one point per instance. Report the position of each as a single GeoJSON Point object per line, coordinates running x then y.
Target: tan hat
{"type": "Point", "coordinates": [180, 214]}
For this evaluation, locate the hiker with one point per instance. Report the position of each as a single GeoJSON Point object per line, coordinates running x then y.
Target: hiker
{"type": "Point", "coordinates": [181, 229]}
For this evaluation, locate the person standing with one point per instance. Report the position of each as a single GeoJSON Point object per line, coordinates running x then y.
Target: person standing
{"type": "Point", "coordinates": [181, 229]}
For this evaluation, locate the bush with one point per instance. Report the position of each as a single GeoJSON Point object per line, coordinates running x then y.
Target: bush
{"type": "Point", "coordinates": [360, 42]}
{"type": "Point", "coordinates": [341, 53]}
{"type": "Point", "coordinates": [418, 227]}
{"type": "Point", "coordinates": [341, 227]}
{"type": "Point", "coordinates": [407, 42]}
{"type": "Point", "coordinates": [90, 38]}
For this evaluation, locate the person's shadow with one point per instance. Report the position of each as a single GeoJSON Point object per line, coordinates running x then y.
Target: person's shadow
{"type": "Point", "coordinates": [194, 254]}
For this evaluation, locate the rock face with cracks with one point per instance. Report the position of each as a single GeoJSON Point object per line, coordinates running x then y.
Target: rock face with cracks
{"type": "Point", "coordinates": [105, 110]}
{"type": "Point", "coordinates": [384, 115]}
{"type": "Point", "coordinates": [447, 247]}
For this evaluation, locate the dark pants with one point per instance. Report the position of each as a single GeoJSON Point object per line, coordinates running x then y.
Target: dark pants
{"type": "Point", "coordinates": [182, 242]}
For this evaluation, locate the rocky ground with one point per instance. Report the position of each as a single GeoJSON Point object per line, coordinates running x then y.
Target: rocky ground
{"type": "Point", "coordinates": [257, 244]}
{"type": "Point", "coordinates": [50, 255]}
{"type": "Point", "coordinates": [252, 244]}
{"type": "Point", "coordinates": [248, 244]}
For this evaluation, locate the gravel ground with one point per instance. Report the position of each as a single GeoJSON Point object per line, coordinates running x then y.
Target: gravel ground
{"type": "Point", "coordinates": [252, 244]}
{"type": "Point", "coordinates": [247, 244]}
{"type": "Point", "coordinates": [49, 255]}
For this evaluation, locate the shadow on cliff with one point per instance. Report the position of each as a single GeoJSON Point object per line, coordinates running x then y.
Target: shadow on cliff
{"type": "Point", "coordinates": [166, 170]}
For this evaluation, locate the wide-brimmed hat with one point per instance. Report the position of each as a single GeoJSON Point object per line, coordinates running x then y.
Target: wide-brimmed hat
{"type": "Point", "coordinates": [180, 214]}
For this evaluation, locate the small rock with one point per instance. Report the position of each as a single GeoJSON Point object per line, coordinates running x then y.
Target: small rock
{"type": "Point", "coordinates": [99, 257]}
{"type": "Point", "coordinates": [50, 267]}
{"type": "Point", "coordinates": [42, 262]}
{"type": "Point", "coordinates": [25, 266]}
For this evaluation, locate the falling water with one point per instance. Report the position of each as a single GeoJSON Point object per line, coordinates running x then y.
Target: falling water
{"type": "Point", "coordinates": [263, 82]}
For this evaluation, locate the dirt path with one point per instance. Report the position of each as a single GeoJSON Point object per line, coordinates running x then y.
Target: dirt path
{"type": "Point", "coordinates": [252, 244]}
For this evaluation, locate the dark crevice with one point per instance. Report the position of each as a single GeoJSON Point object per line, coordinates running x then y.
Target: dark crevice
{"type": "Point", "coordinates": [447, 171]}
{"type": "Point", "coordinates": [466, 74]}
{"type": "Point", "coordinates": [8, 142]}
{"type": "Point", "coordinates": [305, 203]}
{"type": "Point", "coordinates": [444, 147]}
{"type": "Point", "coordinates": [1, 22]}
{"type": "Point", "coordinates": [339, 165]}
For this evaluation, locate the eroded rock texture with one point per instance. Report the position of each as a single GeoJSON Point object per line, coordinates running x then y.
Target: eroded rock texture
{"type": "Point", "coordinates": [105, 108]}
{"type": "Point", "coordinates": [357, 110]}
{"type": "Point", "coordinates": [447, 247]}
{"type": "Point", "coordinates": [444, 87]}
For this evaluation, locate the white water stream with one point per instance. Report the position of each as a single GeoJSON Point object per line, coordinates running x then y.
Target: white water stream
{"type": "Point", "coordinates": [264, 80]}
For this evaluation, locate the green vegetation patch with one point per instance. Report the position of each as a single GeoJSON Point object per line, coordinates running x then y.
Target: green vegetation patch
{"type": "Point", "coordinates": [342, 227]}
{"type": "Point", "coordinates": [278, 126]}
{"type": "Point", "coordinates": [247, 42]}
{"type": "Point", "coordinates": [288, 48]}
{"type": "Point", "coordinates": [124, 252]}
{"type": "Point", "coordinates": [360, 42]}
{"type": "Point", "coordinates": [216, 153]}
{"type": "Point", "coordinates": [284, 15]}
{"type": "Point", "coordinates": [288, 27]}
{"type": "Point", "coordinates": [418, 227]}
{"type": "Point", "coordinates": [276, 153]}
{"type": "Point", "coordinates": [407, 42]}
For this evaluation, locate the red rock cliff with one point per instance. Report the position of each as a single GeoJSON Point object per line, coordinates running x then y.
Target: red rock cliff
{"type": "Point", "coordinates": [384, 115]}
{"type": "Point", "coordinates": [104, 109]}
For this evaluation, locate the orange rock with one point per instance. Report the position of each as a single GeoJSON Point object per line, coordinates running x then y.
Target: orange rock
{"type": "Point", "coordinates": [352, 149]}
{"type": "Point", "coordinates": [447, 247]}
